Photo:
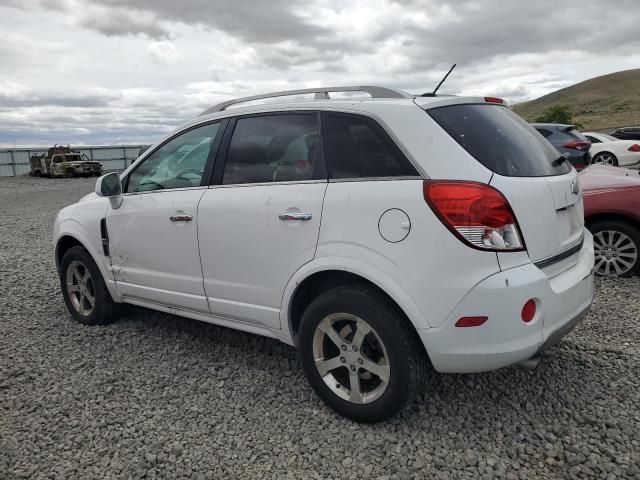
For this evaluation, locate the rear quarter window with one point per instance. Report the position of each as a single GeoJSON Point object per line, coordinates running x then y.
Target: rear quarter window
{"type": "Point", "coordinates": [358, 147]}
{"type": "Point", "coordinates": [500, 140]}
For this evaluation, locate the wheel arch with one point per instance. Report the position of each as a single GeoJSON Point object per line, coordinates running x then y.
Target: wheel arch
{"type": "Point", "coordinates": [608, 216]}
{"type": "Point", "coordinates": [70, 239]}
{"type": "Point", "coordinates": [63, 244]}
{"type": "Point", "coordinates": [312, 280]}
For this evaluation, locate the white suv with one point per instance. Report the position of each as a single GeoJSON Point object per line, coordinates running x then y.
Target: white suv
{"type": "Point", "coordinates": [381, 235]}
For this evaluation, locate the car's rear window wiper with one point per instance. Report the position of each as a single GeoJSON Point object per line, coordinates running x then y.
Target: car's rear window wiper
{"type": "Point", "coordinates": [559, 161]}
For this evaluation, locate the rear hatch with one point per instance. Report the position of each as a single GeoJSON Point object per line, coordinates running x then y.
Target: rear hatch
{"type": "Point", "coordinates": [540, 185]}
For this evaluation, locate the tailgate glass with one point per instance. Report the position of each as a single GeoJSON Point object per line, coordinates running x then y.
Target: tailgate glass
{"type": "Point", "coordinates": [500, 140]}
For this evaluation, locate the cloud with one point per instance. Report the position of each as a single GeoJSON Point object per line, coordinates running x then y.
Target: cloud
{"type": "Point", "coordinates": [164, 52]}
{"type": "Point", "coordinates": [21, 97]}
{"type": "Point", "coordinates": [114, 22]}
{"type": "Point", "coordinates": [139, 68]}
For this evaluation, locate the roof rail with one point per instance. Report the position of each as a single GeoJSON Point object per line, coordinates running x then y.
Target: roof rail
{"type": "Point", "coordinates": [320, 94]}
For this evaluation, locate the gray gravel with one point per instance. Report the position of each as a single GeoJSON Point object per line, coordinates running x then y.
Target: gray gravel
{"type": "Point", "coordinates": [156, 396]}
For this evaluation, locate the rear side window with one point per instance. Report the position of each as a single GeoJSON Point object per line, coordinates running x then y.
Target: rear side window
{"type": "Point", "coordinates": [544, 132]}
{"type": "Point", "coordinates": [357, 147]}
{"type": "Point", "coordinates": [272, 148]}
{"type": "Point", "coordinates": [500, 140]}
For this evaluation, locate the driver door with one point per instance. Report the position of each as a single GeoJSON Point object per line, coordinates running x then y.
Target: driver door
{"type": "Point", "coordinates": [153, 238]}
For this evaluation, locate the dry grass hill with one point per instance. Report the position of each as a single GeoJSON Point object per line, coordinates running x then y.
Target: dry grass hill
{"type": "Point", "coordinates": [601, 103]}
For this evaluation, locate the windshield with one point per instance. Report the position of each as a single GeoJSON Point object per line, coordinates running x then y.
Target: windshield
{"type": "Point", "coordinates": [500, 140]}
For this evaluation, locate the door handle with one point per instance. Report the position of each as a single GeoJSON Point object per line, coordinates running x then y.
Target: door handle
{"type": "Point", "coordinates": [295, 216]}
{"type": "Point", "coordinates": [181, 218]}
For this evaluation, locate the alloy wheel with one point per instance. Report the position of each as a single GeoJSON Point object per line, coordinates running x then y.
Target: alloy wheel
{"type": "Point", "coordinates": [604, 159]}
{"type": "Point", "coordinates": [616, 253]}
{"type": "Point", "coordinates": [351, 358]}
{"type": "Point", "coordinates": [80, 288]}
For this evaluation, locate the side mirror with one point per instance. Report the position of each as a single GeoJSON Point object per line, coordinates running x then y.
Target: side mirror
{"type": "Point", "coordinates": [109, 186]}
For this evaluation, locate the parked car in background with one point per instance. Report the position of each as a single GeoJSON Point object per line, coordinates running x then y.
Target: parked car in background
{"type": "Point", "coordinates": [612, 214]}
{"type": "Point", "coordinates": [608, 150]}
{"type": "Point", "coordinates": [379, 237]}
{"type": "Point", "coordinates": [627, 133]}
{"type": "Point", "coordinates": [568, 141]}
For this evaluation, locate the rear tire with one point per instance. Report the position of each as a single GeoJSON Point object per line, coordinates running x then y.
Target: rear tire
{"type": "Point", "coordinates": [372, 362]}
{"type": "Point", "coordinates": [605, 158]}
{"type": "Point", "coordinates": [84, 291]}
{"type": "Point", "coordinates": [617, 248]}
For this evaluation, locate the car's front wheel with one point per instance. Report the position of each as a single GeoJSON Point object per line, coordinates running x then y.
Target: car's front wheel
{"type": "Point", "coordinates": [84, 290]}
{"type": "Point", "coordinates": [360, 353]}
{"type": "Point", "coordinates": [616, 246]}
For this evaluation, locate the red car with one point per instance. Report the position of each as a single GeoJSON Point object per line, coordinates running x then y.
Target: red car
{"type": "Point", "coordinates": [612, 214]}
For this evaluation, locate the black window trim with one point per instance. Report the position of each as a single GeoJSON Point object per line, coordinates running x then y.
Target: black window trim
{"type": "Point", "coordinates": [384, 133]}
{"type": "Point", "coordinates": [208, 168]}
{"type": "Point", "coordinates": [319, 165]}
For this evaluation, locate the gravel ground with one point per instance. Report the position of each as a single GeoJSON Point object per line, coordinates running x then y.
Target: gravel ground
{"type": "Point", "coordinates": [156, 396]}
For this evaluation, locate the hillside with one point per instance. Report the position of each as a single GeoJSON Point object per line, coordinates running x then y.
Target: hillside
{"type": "Point", "coordinates": [600, 103]}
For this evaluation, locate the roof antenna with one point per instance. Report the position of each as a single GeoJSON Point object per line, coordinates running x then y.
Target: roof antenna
{"type": "Point", "coordinates": [433, 94]}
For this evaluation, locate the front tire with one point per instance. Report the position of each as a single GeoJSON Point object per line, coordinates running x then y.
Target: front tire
{"type": "Point", "coordinates": [360, 354]}
{"type": "Point", "coordinates": [617, 248]}
{"type": "Point", "coordinates": [605, 158]}
{"type": "Point", "coordinates": [84, 291]}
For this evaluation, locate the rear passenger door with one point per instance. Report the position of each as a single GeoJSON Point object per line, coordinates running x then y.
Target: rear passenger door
{"type": "Point", "coordinates": [259, 221]}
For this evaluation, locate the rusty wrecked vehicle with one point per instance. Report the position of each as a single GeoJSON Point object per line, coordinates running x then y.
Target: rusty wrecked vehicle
{"type": "Point", "coordinates": [62, 161]}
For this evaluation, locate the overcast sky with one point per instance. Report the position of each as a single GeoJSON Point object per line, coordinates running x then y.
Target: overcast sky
{"type": "Point", "coordinates": [113, 71]}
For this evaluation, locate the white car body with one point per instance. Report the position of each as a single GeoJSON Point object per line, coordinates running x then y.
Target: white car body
{"type": "Point", "coordinates": [237, 265]}
{"type": "Point", "coordinates": [602, 143]}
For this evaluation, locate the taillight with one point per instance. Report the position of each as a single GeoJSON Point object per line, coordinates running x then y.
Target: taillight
{"type": "Point", "coordinates": [634, 148]}
{"type": "Point", "coordinates": [476, 213]}
{"type": "Point", "coordinates": [578, 145]}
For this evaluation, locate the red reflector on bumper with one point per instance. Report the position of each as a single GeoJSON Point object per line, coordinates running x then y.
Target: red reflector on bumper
{"type": "Point", "coordinates": [471, 321]}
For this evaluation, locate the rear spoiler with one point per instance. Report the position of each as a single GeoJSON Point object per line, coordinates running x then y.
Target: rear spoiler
{"type": "Point", "coordinates": [566, 128]}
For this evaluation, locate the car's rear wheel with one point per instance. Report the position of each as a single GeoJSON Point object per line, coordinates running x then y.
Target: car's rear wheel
{"type": "Point", "coordinates": [85, 293]}
{"type": "Point", "coordinates": [360, 354]}
{"type": "Point", "coordinates": [605, 158]}
{"type": "Point", "coordinates": [617, 248]}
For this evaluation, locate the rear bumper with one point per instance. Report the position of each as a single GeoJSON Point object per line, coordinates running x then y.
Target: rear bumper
{"type": "Point", "coordinates": [504, 339]}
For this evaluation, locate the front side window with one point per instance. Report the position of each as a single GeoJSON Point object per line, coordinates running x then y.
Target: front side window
{"type": "Point", "coordinates": [179, 163]}
{"type": "Point", "coordinates": [357, 147]}
{"type": "Point", "coordinates": [272, 148]}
